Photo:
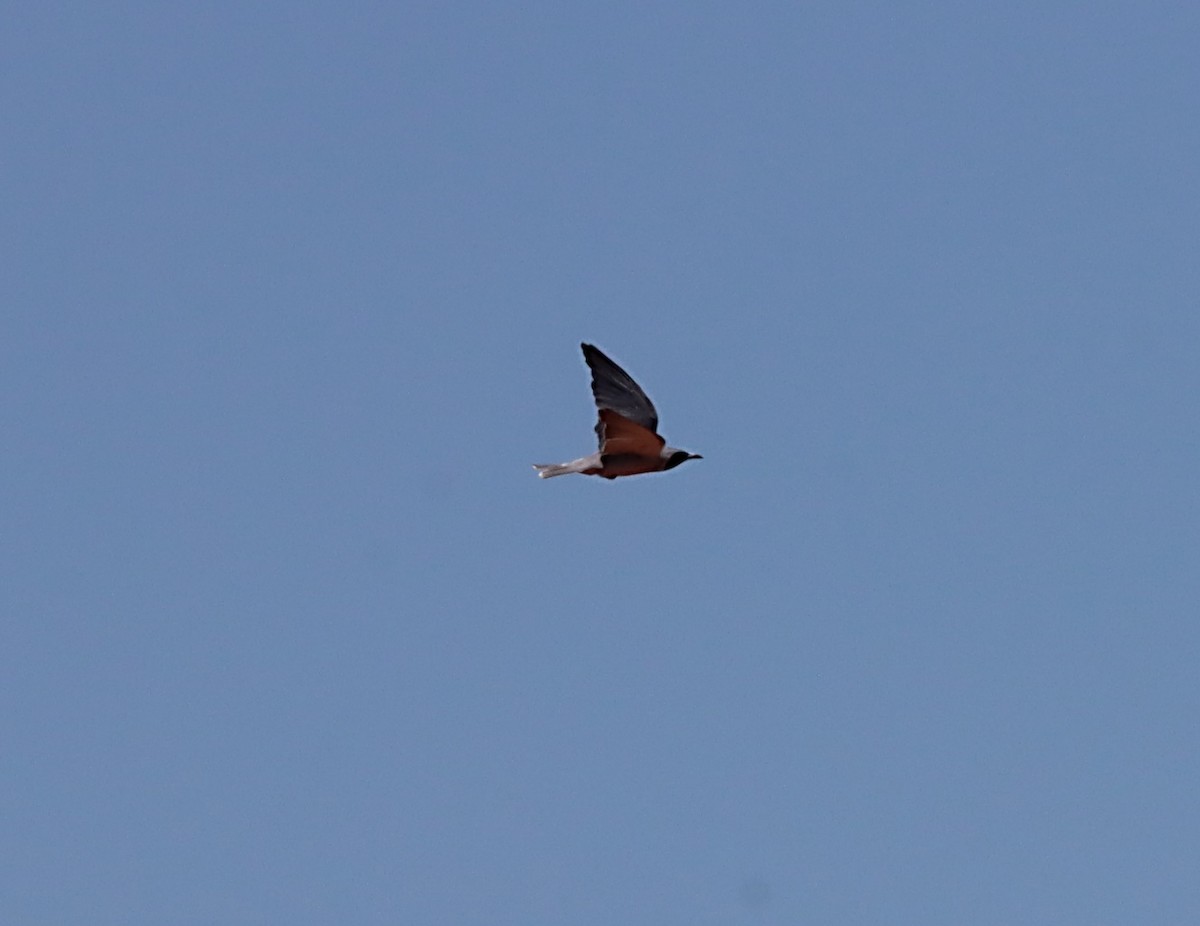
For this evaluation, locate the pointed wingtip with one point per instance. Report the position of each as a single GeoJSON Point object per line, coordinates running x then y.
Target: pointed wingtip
{"type": "Point", "coordinates": [592, 354]}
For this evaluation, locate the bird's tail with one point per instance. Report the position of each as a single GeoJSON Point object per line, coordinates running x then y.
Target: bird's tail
{"type": "Point", "coordinates": [546, 470]}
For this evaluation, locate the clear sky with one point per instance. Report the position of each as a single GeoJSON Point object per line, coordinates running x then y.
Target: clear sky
{"type": "Point", "coordinates": [292, 298]}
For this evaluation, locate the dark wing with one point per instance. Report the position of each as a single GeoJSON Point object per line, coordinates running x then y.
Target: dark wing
{"type": "Point", "coordinates": [614, 389]}
{"type": "Point", "coordinates": [621, 437]}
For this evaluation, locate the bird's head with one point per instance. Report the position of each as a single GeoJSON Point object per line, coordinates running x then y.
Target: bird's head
{"type": "Point", "coordinates": [675, 457]}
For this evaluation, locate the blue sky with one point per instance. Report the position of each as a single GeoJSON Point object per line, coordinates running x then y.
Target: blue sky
{"type": "Point", "coordinates": [293, 295]}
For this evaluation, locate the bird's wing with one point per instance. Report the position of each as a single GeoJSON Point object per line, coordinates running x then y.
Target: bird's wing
{"type": "Point", "coordinates": [615, 390]}
{"type": "Point", "coordinates": [620, 436]}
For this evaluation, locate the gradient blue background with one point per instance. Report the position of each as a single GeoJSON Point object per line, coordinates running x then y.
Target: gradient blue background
{"type": "Point", "coordinates": [292, 297]}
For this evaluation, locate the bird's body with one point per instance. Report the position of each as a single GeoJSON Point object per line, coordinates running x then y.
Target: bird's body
{"type": "Point", "coordinates": [627, 429]}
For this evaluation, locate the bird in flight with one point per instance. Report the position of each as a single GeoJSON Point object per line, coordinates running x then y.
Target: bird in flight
{"type": "Point", "coordinates": [628, 428]}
